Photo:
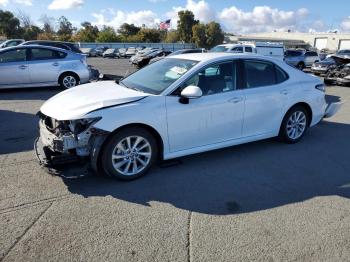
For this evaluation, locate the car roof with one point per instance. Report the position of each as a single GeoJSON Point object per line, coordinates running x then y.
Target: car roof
{"type": "Point", "coordinates": [202, 57]}
{"type": "Point", "coordinates": [36, 46]}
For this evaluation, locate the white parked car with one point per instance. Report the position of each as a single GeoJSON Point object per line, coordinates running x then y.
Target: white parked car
{"type": "Point", "coordinates": [275, 50]}
{"type": "Point", "coordinates": [178, 106]}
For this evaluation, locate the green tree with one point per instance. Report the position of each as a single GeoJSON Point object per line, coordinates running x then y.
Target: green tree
{"type": "Point", "coordinates": [214, 33]}
{"type": "Point", "coordinates": [48, 26]}
{"type": "Point", "coordinates": [126, 30]}
{"type": "Point", "coordinates": [9, 25]}
{"type": "Point", "coordinates": [65, 29]}
{"type": "Point", "coordinates": [172, 37]}
{"type": "Point", "coordinates": [107, 34]}
{"type": "Point", "coordinates": [184, 25]}
{"type": "Point", "coordinates": [150, 35]}
{"type": "Point", "coordinates": [31, 33]}
{"type": "Point", "coordinates": [199, 35]}
{"type": "Point", "coordinates": [88, 33]}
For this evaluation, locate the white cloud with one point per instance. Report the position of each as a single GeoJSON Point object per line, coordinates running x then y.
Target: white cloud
{"type": "Point", "coordinates": [65, 4]}
{"type": "Point", "coordinates": [261, 18]}
{"type": "Point", "coordinates": [345, 24]}
{"type": "Point", "coordinates": [24, 2]}
{"type": "Point", "coordinates": [232, 19]}
{"type": "Point", "coordinates": [4, 2]}
{"type": "Point", "coordinates": [115, 18]}
{"type": "Point", "coordinates": [201, 10]}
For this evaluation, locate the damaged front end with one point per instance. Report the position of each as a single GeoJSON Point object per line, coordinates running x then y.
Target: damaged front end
{"type": "Point", "coordinates": [338, 73]}
{"type": "Point", "coordinates": [62, 142]}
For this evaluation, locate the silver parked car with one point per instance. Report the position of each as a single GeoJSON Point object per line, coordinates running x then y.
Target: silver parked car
{"type": "Point", "coordinates": [11, 42]}
{"type": "Point", "coordinates": [34, 66]}
{"type": "Point", "coordinates": [301, 58]}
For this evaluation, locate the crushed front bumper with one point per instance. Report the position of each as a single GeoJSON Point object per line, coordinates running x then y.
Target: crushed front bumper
{"type": "Point", "coordinates": [49, 158]}
{"type": "Point", "coordinates": [52, 150]}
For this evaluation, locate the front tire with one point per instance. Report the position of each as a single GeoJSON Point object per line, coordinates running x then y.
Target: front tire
{"type": "Point", "coordinates": [129, 154]}
{"type": "Point", "coordinates": [301, 66]}
{"type": "Point", "coordinates": [294, 125]}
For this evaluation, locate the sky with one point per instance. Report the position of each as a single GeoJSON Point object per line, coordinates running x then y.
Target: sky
{"type": "Point", "coordinates": [235, 16]}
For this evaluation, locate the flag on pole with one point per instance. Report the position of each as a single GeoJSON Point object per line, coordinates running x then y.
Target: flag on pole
{"type": "Point", "coordinates": [165, 25]}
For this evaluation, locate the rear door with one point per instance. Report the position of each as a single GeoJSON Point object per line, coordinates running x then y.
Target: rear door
{"type": "Point", "coordinates": [14, 67]}
{"type": "Point", "coordinates": [266, 96]}
{"type": "Point", "coordinates": [44, 65]}
{"type": "Point", "coordinates": [310, 58]}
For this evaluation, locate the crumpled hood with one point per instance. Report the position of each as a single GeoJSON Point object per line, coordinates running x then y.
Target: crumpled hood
{"type": "Point", "coordinates": [74, 103]}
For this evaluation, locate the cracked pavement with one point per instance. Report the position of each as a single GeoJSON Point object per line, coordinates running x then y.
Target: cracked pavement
{"type": "Point", "coordinates": [263, 201]}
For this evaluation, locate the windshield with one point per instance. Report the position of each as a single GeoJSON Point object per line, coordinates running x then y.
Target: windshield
{"type": "Point", "coordinates": [342, 52]}
{"type": "Point", "coordinates": [219, 48]}
{"type": "Point", "coordinates": [157, 77]}
{"type": "Point", "coordinates": [329, 60]}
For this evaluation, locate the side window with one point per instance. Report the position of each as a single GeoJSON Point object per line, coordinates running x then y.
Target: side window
{"type": "Point", "coordinates": [11, 44]}
{"type": "Point", "coordinates": [249, 49]}
{"type": "Point", "coordinates": [281, 76]}
{"type": "Point", "coordinates": [17, 55]}
{"type": "Point", "coordinates": [61, 55]}
{"type": "Point", "coordinates": [43, 54]}
{"type": "Point", "coordinates": [215, 79]}
{"type": "Point", "coordinates": [238, 49]}
{"type": "Point", "coordinates": [259, 73]}
{"type": "Point", "coordinates": [61, 46]}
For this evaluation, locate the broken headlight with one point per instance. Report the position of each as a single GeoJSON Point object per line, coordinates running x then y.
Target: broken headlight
{"type": "Point", "coordinates": [81, 125]}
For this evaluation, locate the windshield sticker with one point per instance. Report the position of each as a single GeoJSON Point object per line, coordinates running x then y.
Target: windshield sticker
{"type": "Point", "coordinates": [178, 70]}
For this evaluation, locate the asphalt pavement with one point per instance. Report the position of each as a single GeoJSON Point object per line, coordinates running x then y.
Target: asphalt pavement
{"type": "Point", "coordinates": [262, 201]}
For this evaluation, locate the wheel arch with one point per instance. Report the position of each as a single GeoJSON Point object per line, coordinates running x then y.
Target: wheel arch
{"type": "Point", "coordinates": [66, 73]}
{"type": "Point", "coordinates": [150, 129]}
{"type": "Point", "coordinates": [304, 105]}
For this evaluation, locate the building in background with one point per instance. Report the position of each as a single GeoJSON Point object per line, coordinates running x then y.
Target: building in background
{"type": "Point", "coordinates": [319, 41]}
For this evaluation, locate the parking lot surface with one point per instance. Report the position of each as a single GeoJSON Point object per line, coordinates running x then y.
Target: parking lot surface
{"type": "Point", "coordinates": [263, 201]}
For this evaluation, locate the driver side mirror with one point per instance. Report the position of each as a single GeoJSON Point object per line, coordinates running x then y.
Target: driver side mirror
{"type": "Point", "coordinates": [190, 92]}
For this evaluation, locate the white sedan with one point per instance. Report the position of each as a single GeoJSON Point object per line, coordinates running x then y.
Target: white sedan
{"type": "Point", "coordinates": [178, 106]}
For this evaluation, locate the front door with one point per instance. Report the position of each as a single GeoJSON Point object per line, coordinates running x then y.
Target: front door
{"type": "Point", "coordinates": [14, 68]}
{"type": "Point", "coordinates": [213, 118]}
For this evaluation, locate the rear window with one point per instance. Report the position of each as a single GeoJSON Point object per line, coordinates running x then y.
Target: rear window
{"type": "Point", "coordinates": [219, 48]}
{"type": "Point", "coordinates": [46, 54]}
{"type": "Point", "coordinates": [292, 53]}
{"type": "Point", "coordinates": [311, 54]}
{"type": "Point", "coordinates": [281, 76]}
{"type": "Point", "coordinates": [263, 73]}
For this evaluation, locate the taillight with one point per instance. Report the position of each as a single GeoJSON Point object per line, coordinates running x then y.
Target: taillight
{"type": "Point", "coordinates": [321, 87]}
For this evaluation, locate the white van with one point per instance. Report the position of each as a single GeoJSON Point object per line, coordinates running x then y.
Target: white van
{"type": "Point", "coordinates": [263, 48]}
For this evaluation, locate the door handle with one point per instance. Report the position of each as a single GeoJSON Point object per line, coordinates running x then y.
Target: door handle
{"type": "Point", "coordinates": [235, 99]}
{"type": "Point", "coordinates": [55, 64]}
{"type": "Point", "coordinates": [284, 92]}
{"type": "Point", "coordinates": [22, 67]}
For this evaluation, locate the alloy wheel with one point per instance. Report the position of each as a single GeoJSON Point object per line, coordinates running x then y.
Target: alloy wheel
{"type": "Point", "coordinates": [296, 125]}
{"type": "Point", "coordinates": [69, 81]}
{"type": "Point", "coordinates": [131, 155]}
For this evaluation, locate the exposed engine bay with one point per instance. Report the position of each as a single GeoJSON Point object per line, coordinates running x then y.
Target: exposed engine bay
{"type": "Point", "coordinates": [340, 72]}
{"type": "Point", "coordinates": [66, 141]}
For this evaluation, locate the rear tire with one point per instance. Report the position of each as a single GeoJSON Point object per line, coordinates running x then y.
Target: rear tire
{"type": "Point", "coordinates": [294, 125]}
{"type": "Point", "coordinates": [129, 153]}
{"type": "Point", "coordinates": [68, 80]}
